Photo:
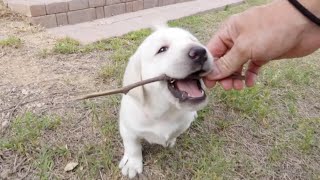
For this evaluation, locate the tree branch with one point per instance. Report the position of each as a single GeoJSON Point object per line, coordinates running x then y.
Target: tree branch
{"type": "Point", "coordinates": [126, 89]}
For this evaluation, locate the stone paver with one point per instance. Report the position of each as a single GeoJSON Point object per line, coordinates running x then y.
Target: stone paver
{"type": "Point", "coordinates": [78, 4]}
{"type": "Point", "coordinates": [83, 15]}
{"type": "Point", "coordinates": [115, 9]}
{"type": "Point", "coordinates": [97, 3]}
{"type": "Point", "coordinates": [118, 25]}
{"type": "Point", "coordinates": [129, 6]}
{"type": "Point", "coordinates": [62, 19]}
{"type": "Point", "coordinates": [28, 8]}
{"type": "Point", "coordinates": [150, 3]}
{"type": "Point", "coordinates": [100, 12]}
{"type": "Point", "coordinates": [57, 6]}
{"type": "Point", "coordinates": [47, 21]}
{"type": "Point", "coordinates": [137, 5]}
{"type": "Point", "coordinates": [110, 2]}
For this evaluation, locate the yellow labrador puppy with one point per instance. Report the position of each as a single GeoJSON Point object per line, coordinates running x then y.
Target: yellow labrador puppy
{"type": "Point", "coordinates": [159, 112]}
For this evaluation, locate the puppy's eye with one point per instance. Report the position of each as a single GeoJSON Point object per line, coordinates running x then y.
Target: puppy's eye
{"type": "Point", "coordinates": [163, 49]}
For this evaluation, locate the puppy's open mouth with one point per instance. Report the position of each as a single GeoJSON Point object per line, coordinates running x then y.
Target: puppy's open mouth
{"type": "Point", "coordinates": [188, 89]}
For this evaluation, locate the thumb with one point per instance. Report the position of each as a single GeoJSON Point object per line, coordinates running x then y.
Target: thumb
{"type": "Point", "coordinates": [229, 63]}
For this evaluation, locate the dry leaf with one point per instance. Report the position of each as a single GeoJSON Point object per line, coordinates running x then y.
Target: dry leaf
{"type": "Point", "coordinates": [70, 166]}
{"type": "Point", "coordinates": [4, 124]}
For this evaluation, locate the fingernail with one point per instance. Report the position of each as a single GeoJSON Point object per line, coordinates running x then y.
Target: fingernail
{"type": "Point", "coordinates": [214, 75]}
{"type": "Point", "coordinates": [209, 84]}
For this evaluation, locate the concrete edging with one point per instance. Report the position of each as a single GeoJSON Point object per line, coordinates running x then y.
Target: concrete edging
{"type": "Point", "coordinates": [53, 13]}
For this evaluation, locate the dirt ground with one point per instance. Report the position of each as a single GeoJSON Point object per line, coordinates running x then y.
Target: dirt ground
{"type": "Point", "coordinates": [271, 131]}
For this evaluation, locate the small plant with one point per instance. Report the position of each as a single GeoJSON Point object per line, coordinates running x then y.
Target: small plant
{"type": "Point", "coordinates": [66, 46]}
{"type": "Point", "coordinates": [307, 139]}
{"type": "Point", "coordinates": [11, 41]}
{"type": "Point", "coordinates": [43, 53]}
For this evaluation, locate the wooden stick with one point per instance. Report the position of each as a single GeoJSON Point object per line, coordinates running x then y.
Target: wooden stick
{"type": "Point", "coordinates": [126, 89]}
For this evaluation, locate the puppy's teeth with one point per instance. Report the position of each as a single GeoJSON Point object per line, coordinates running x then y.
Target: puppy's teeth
{"type": "Point", "coordinates": [184, 95]}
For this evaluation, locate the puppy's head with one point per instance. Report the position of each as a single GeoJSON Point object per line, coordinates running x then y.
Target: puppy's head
{"type": "Point", "coordinates": [178, 54]}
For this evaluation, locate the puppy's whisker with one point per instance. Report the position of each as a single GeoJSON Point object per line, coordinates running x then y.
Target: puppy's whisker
{"type": "Point", "coordinates": [126, 89]}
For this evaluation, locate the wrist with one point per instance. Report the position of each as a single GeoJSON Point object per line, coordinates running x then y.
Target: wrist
{"type": "Point", "coordinates": [312, 27]}
{"type": "Point", "coordinates": [312, 5]}
{"type": "Point", "coordinates": [288, 13]}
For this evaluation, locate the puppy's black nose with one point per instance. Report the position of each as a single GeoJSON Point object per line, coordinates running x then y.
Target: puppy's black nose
{"type": "Point", "coordinates": [198, 54]}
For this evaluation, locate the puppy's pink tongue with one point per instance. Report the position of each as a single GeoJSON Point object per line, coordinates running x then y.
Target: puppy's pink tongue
{"type": "Point", "coordinates": [189, 86]}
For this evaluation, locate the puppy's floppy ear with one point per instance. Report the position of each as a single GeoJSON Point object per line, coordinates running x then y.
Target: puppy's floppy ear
{"type": "Point", "coordinates": [133, 75]}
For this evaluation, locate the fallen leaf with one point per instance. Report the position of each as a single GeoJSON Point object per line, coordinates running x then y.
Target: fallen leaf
{"type": "Point", "coordinates": [5, 124]}
{"type": "Point", "coordinates": [70, 166]}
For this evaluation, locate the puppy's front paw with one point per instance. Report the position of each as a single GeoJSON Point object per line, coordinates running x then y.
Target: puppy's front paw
{"type": "Point", "coordinates": [130, 166]}
{"type": "Point", "coordinates": [171, 143]}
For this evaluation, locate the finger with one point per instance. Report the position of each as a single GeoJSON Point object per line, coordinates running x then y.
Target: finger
{"type": "Point", "coordinates": [227, 84]}
{"type": "Point", "coordinates": [220, 42]}
{"type": "Point", "coordinates": [237, 83]}
{"type": "Point", "coordinates": [217, 46]}
{"type": "Point", "coordinates": [208, 83]}
{"type": "Point", "coordinates": [252, 72]}
{"type": "Point", "coordinates": [230, 62]}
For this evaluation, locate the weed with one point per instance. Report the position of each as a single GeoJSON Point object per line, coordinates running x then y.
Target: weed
{"type": "Point", "coordinates": [66, 46]}
{"type": "Point", "coordinates": [307, 138]}
{"type": "Point", "coordinates": [43, 53]}
{"type": "Point", "coordinates": [11, 41]}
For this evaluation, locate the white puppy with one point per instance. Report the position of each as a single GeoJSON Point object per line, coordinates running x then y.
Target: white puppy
{"type": "Point", "coordinates": [159, 112]}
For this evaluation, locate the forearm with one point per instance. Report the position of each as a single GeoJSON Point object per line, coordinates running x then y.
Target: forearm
{"type": "Point", "coordinates": [312, 5]}
{"type": "Point", "coordinates": [310, 38]}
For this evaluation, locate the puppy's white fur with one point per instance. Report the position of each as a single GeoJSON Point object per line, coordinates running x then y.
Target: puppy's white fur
{"type": "Point", "coordinates": [151, 112]}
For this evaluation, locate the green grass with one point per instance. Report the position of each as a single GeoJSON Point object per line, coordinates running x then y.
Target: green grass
{"type": "Point", "coordinates": [121, 47]}
{"type": "Point", "coordinates": [308, 138]}
{"type": "Point", "coordinates": [25, 131]}
{"type": "Point", "coordinates": [100, 157]}
{"type": "Point", "coordinates": [11, 41]}
{"type": "Point", "coordinates": [66, 46]}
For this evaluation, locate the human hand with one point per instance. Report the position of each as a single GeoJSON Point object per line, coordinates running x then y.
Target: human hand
{"type": "Point", "coordinates": [256, 36]}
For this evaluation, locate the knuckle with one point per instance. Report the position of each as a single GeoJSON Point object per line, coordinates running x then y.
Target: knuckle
{"type": "Point", "coordinates": [226, 64]}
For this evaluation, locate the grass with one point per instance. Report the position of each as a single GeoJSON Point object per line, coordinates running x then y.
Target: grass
{"type": "Point", "coordinates": [25, 134]}
{"type": "Point", "coordinates": [270, 131]}
{"type": "Point", "coordinates": [25, 131]}
{"type": "Point", "coordinates": [122, 47]}
{"type": "Point", "coordinates": [11, 41]}
{"type": "Point", "coordinates": [66, 46]}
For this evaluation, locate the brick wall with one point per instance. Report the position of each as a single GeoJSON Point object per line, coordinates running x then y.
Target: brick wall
{"type": "Point", "coordinates": [53, 13]}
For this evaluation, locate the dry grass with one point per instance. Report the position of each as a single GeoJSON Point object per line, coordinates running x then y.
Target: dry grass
{"type": "Point", "coordinates": [270, 131]}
